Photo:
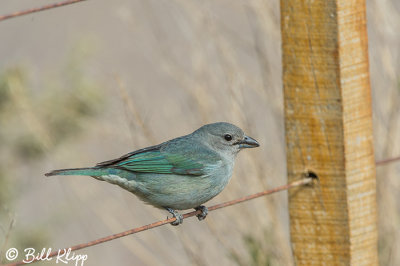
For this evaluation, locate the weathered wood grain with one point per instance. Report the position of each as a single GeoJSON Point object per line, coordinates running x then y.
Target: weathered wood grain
{"type": "Point", "coordinates": [328, 125]}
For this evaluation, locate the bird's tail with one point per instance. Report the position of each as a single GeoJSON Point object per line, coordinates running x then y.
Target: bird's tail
{"type": "Point", "coordinates": [91, 171]}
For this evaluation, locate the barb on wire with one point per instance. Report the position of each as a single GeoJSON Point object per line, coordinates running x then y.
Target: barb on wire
{"type": "Point", "coordinates": [386, 161]}
{"type": "Point", "coordinates": [33, 10]}
{"type": "Point", "coordinates": [297, 183]}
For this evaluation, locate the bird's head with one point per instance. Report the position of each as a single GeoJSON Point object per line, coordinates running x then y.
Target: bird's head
{"type": "Point", "coordinates": [225, 138]}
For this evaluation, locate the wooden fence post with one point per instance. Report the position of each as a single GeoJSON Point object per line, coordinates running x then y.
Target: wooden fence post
{"type": "Point", "coordinates": [328, 121]}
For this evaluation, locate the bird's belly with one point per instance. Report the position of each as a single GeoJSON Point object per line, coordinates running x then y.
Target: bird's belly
{"type": "Point", "coordinates": [178, 191]}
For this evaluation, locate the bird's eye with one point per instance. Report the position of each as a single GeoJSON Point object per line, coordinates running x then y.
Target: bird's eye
{"type": "Point", "coordinates": [228, 137]}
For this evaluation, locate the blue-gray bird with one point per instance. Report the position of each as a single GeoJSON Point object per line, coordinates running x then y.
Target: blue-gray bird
{"type": "Point", "coordinates": [178, 174]}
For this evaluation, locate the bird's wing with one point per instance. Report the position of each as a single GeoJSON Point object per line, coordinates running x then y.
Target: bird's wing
{"type": "Point", "coordinates": [166, 159]}
{"type": "Point", "coordinates": [127, 156]}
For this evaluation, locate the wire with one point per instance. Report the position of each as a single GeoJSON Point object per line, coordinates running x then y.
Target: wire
{"type": "Point", "coordinates": [60, 252]}
{"type": "Point", "coordinates": [297, 183]}
{"type": "Point", "coordinates": [33, 10]}
{"type": "Point", "coordinates": [386, 161]}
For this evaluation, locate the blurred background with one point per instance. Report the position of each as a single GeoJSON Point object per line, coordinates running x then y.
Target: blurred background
{"type": "Point", "coordinates": [91, 81]}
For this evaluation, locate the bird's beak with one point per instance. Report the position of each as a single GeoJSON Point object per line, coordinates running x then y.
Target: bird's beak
{"type": "Point", "coordinates": [248, 142]}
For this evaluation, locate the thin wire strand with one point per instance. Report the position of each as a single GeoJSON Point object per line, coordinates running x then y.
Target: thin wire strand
{"type": "Point", "coordinates": [386, 161]}
{"type": "Point", "coordinates": [297, 183]}
{"type": "Point", "coordinates": [33, 10]}
{"type": "Point", "coordinates": [60, 252]}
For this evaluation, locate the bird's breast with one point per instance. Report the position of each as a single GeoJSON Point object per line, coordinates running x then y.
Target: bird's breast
{"type": "Point", "coordinates": [219, 175]}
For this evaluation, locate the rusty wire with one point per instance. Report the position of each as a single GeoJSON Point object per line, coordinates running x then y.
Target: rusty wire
{"type": "Point", "coordinates": [386, 161]}
{"type": "Point", "coordinates": [33, 10]}
{"type": "Point", "coordinates": [297, 183]}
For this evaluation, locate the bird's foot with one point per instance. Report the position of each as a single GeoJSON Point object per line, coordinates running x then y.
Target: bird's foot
{"type": "Point", "coordinates": [177, 215]}
{"type": "Point", "coordinates": [204, 212]}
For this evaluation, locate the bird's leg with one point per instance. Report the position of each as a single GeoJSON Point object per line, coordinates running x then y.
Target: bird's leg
{"type": "Point", "coordinates": [204, 212]}
{"type": "Point", "coordinates": [177, 215]}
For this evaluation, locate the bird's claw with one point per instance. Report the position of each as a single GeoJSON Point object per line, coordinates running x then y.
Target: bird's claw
{"type": "Point", "coordinates": [177, 215]}
{"type": "Point", "coordinates": [204, 212]}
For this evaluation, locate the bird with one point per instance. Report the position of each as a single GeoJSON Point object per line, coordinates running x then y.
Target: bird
{"type": "Point", "coordinates": [178, 174]}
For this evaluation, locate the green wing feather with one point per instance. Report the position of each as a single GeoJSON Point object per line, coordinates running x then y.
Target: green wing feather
{"type": "Point", "coordinates": [165, 159]}
{"type": "Point", "coordinates": [156, 162]}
